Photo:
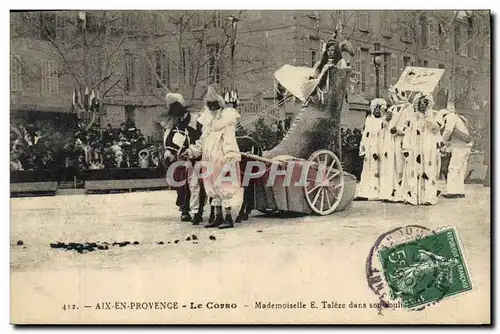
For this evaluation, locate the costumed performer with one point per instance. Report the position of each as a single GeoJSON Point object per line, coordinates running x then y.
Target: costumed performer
{"type": "Point", "coordinates": [370, 149]}
{"type": "Point", "coordinates": [457, 136]}
{"type": "Point", "coordinates": [422, 144]}
{"type": "Point", "coordinates": [392, 164]}
{"type": "Point", "coordinates": [184, 130]}
{"type": "Point", "coordinates": [220, 154]}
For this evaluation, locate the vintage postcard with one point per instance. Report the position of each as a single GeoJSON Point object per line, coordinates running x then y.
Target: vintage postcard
{"type": "Point", "coordinates": [250, 167]}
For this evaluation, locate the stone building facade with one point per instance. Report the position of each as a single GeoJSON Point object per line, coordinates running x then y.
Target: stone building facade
{"type": "Point", "coordinates": [147, 53]}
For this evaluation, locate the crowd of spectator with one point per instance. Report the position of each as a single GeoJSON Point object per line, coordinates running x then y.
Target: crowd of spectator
{"type": "Point", "coordinates": [89, 147]}
{"type": "Point", "coordinates": [28, 149]}
{"type": "Point", "coordinates": [109, 147]}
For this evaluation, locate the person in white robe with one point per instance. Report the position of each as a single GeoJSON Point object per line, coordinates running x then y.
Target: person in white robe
{"type": "Point", "coordinates": [422, 145]}
{"type": "Point", "coordinates": [393, 160]}
{"type": "Point", "coordinates": [457, 137]}
{"type": "Point", "coordinates": [219, 153]}
{"type": "Point", "coordinates": [370, 149]}
{"type": "Point", "coordinates": [318, 83]}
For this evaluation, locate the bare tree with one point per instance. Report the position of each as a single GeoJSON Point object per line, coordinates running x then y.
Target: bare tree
{"type": "Point", "coordinates": [88, 45]}
{"type": "Point", "coordinates": [198, 50]}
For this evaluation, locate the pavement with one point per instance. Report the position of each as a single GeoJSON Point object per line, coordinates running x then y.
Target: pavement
{"type": "Point", "coordinates": [282, 258]}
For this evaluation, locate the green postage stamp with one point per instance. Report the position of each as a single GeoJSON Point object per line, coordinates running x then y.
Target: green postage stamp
{"type": "Point", "coordinates": [426, 270]}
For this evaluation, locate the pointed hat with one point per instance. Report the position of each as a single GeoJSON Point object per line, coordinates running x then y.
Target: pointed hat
{"type": "Point", "coordinates": [212, 96]}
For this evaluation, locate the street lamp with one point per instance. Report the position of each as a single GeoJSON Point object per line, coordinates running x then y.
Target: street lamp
{"type": "Point", "coordinates": [377, 61]}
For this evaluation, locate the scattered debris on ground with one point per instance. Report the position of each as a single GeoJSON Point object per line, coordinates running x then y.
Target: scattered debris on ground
{"type": "Point", "coordinates": [93, 246]}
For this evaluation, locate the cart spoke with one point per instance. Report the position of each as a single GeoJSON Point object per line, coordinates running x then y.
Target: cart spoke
{"type": "Point", "coordinates": [333, 194]}
{"type": "Point", "coordinates": [313, 189]}
{"type": "Point", "coordinates": [337, 172]}
{"type": "Point", "coordinates": [328, 198]}
{"type": "Point", "coordinates": [325, 163]}
{"type": "Point", "coordinates": [316, 198]}
{"type": "Point", "coordinates": [322, 198]}
{"type": "Point", "coordinates": [330, 167]}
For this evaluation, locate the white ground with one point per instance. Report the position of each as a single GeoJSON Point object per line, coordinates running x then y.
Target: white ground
{"type": "Point", "coordinates": [302, 258]}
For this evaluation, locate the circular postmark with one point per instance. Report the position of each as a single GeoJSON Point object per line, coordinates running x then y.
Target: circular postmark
{"type": "Point", "coordinates": [413, 267]}
{"type": "Point", "coordinates": [375, 274]}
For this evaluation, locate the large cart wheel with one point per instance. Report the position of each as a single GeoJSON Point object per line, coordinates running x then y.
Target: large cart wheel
{"type": "Point", "coordinates": [324, 195]}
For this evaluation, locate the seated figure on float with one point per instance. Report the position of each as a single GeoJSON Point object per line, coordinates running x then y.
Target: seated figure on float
{"type": "Point", "coordinates": [314, 135]}
{"type": "Point", "coordinates": [322, 89]}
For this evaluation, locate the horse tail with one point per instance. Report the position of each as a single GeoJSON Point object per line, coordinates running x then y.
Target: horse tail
{"type": "Point", "coordinates": [250, 145]}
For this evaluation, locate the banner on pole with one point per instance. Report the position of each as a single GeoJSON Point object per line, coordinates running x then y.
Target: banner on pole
{"type": "Point", "coordinates": [419, 79]}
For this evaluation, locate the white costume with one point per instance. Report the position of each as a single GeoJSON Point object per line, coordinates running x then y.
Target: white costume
{"type": "Point", "coordinates": [370, 147]}
{"type": "Point", "coordinates": [219, 151]}
{"type": "Point", "coordinates": [392, 164]}
{"type": "Point", "coordinates": [422, 144]}
{"type": "Point", "coordinates": [460, 150]}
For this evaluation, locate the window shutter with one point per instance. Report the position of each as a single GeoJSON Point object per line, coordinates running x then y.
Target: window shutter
{"type": "Point", "coordinates": [386, 23]}
{"type": "Point", "coordinates": [394, 69]}
{"type": "Point", "coordinates": [363, 21]}
{"type": "Point", "coordinates": [358, 64]}
{"type": "Point", "coordinates": [173, 60]}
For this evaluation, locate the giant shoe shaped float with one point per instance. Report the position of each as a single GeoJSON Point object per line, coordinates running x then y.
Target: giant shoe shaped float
{"type": "Point", "coordinates": [307, 152]}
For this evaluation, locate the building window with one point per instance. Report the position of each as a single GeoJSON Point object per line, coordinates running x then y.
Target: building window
{"type": "Point", "coordinates": [458, 38]}
{"type": "Point", "coordinates": [176, 67]}
{"type": "Point", "coordinates": [184, 67]}
{"type": "Point", "coordinates": [16, 73]}
{"type": "Point", "coordinates": [357, 65]}
{"type": "Point", "coordinates": [313, 58]}
{"type": "Point", "coordinates": [442, 37]}
{"type": "Point", "coordinates": [470, 83]}
{"type": "Point", "coordinates": [50, 78]}
{"type": "Point", "coordinates": [62, 28]}
{"type": "Point", "coordinates": [385, 69]}
{"type": "Point", "coordinates": [441, 66]}
{"type": "Point", "coordinates": [364, 21]}
{"type": "Point", "coordinates": [198, 20]}
{"type": "Point", "coordinates": [150, 77]}
{"type": "Point", "coordinates": [129, 72]}
{"type": "Point", "coordinates": [365, 63]}
{"type": "Point", "coordinates": [217, 21]}
{"type": "Point", "coordinates": [48, 26]}
{"type": "Point", "coordinates": [386, 23]}
{"type": "Point", "coordinates": [213, 64]}
{"type": "Point", "coordinates": [407, 61]}
{"type": "Point", "coordinates": [394, 69]}
{"type": "Point", "coordinates": [130, 114]}
{"type": "Point", "coordinates": [424, 31]}
{"type": "Point", "coordinates": [192, 67]}
{"type": "Point", "coordinates": [470, 43]}
{"type": "Point", "coordinates": [434, 34]}
{"type": "Point", "coordinates": [162, 69]}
